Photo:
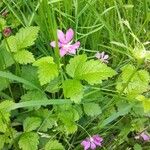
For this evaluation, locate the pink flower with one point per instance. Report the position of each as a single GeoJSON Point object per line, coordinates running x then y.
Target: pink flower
{"type": "Point", "coordinates": [92, 142]}
{"type": "Point", "coordinates": [144, 136]}
{"type": "Point", "coordinates": [7, 32]}
{"type": "Point", "coordinates": [65, 43]}
{"type": "Point", "coordinates": [102, 57]}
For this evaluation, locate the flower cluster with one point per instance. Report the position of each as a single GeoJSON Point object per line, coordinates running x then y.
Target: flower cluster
{"type": "Point", "coordinates": [92, 142]}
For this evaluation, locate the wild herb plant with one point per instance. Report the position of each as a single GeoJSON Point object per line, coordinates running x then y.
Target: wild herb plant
{"type": "Point", "coordinates": [74, 74]}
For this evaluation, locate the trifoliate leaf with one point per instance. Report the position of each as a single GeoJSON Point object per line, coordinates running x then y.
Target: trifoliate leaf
{"type": "Point", "coordinates": [29, 141]}
{"type": "Point", "coordinates": [54, 145]}
{"type": "Point", "coordinates": [93, 71]}
{"type": "Point", "coordinates": [11, 44]}
{"type": "Point", "coordinates": [73, 89]}
{"type": "Point", "coordinates": [92, 109]}
{"type": "Point", "coordinates": [133, 83]}
{"type": "Point", "coordinates": [47, 69]}
{"type": "Point", "coordinates": [24, 57]}
{"type": "Point", "coordinates": [31, 123]}
{"type": "Point", "coordinates": [26, 37]}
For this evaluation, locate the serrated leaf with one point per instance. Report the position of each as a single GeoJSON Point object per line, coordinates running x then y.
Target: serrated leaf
{"type": "Point", "coordinates": [75, 64]}
{"type": "Point", "coordinates": [47, 69]}
{"type": "Point", "coordinates": [24, 57]}
{"type": "Point", "coordinates": [5, 105]}
{"type": "Point", "coordinates": [26, 36]}
{"type": "Point", "coordinates": [73, 89]}
{"type": "Point", "coordinates": [93, 71]}
{"type": "Point", "coordinates": [29, 141]}
{"type": "Point", "coordinates": [92, 109]}
{"type": "Point", "coordinates": [48, 120]}
{"type": "Point", "coordinates": [137, 84]}
{"type": "Point", "coordinates": [54, 145]}
{"type": "Point", "coordinates": [31, 123]}
{"type": "Point", "coordinates": [11, 44]}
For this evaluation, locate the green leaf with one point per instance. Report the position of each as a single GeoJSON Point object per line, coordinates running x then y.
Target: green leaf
{"type": "Point", "coordinates": [4, 83]}
{"type": "Point", "coordinates": [6, 105]}
{"type": "Point", "coordinates": [24, 57]}
{"type": "Point", "coordinates": [134, 84]}
{"type": "Point", "coordinates": [93, 71]}
{"type": "Point", "coordinates": [47, 69]}
{"type": "Point", "coordinates": [75, 64]}
{"type": "Point", "coordinates": [2, 23]}
{"type": "Point", "coordinates": [31, 123]}
{"type": "Point", "coordinates": [54, 145]}
{"type": "Point", "coordinates": [11, 44]}
{"type": "Point", "coordinates": [6, 59]}
{"type": "Point", "coordinates": [137, 147]}
{"type": "Point", "coordinates": [48, 120]}
{"type": "Point", "coordinates": [26, 37]}
{"type": "Point", "coordinates": [92, 109]}
{"type": "Point", "coordinates": [73, 89]}
{"type": "Point", "coordinates": [32, 76]}
{"type": "Point", "coordinates": [29, 141]}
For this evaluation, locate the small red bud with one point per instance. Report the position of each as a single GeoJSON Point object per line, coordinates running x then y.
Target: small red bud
{"type": "Point", "coordinates": [7, 32]}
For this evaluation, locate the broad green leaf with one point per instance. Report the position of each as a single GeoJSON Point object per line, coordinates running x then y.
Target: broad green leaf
{"type": "Point", "coordinates": [26, 37]}
{"type": "Point", "coordinates": [29, 141]}
{"type": "Point", "coordinates": [145, 103]}
{"type": "Point", "coordinates": [54, 145]}
{"type": "Point", "coordinates": [48, 120]}
{"type": "Point", "coordinates": [47, 69]}
{"type": "Point", "coordinates": [137, 147]}
{"type": "Point", "coordinates": [6, 59]}
{"type": "Point", "coordinates": [31, 123]}
{"type": "Point", "coordinates": [75, 64]}
{"type": "Point", "coordinates": [5, 105]}
{"type": "Point", "coordinates": [92, 109]}
{"type": "Point", "coordinates": [93, 71]}
{"type": "Point", "coordinates": [133, 83]}
{"type": "Point", "coordinates": [24, 57]}
{"type": "Point", "coordinates": [32, 76]}
{"type": "Point", "coordinates": [11, 44]}
{"type": "Point", "coordinates": [73, 89]}
{"type": "Point", "coordinates": [33, 95]}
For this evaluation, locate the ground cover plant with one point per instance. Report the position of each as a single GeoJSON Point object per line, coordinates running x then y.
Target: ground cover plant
{"type": "Point", "coordinates": [74, 74]}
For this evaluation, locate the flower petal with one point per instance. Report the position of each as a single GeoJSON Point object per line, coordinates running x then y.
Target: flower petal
{"type": "Point", "coordinates": [93, 146]}
{"type": "Point", "coordinates": [69, 35]}
{"type": "Point", "coordinates": [145, 136]}
{"type": "Point", "coordinates": [98, 55]}
{"type": "Point", "coordinates": [86, 144]}
{"type": "Point", "coordinates": [61, 36]}
{"type": "Point", "coordinates": [72, 48]}
{"type": "Point", "coordinates": [63, 52]}
{"type": "Point", "coordinates": [53, 44]}
{"type": "Point", "coordinates": [106, 57]}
